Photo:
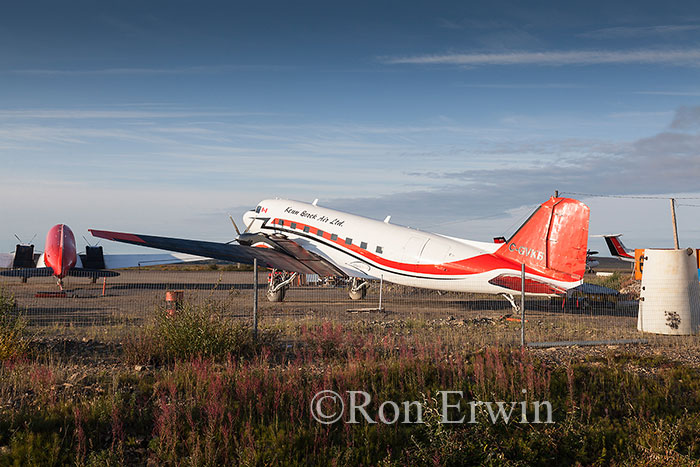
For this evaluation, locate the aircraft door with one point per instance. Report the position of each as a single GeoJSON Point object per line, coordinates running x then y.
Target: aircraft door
{"type": "Point", "coordinates": [412, 250]}
{"type": "Point", "coordinates": [435, 252]}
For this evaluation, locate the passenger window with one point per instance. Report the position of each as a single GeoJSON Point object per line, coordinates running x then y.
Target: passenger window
{"type": "Point", "coordinates": [348, 241]}
{"type": "Point", "coordinates": [294, 225]}
{"type": "Point", "coordinates": [281, 222]}
{"type": "Point", "coordinates": [379, 250]}
{"type": "Point", "coordinates": [319, 232]}
{"type": "Point", "coordinates": [306, 228]}
{"type": "Point", "coordinates": [363, 245]}
{"type": "Point", "coordinates": [334, 237]}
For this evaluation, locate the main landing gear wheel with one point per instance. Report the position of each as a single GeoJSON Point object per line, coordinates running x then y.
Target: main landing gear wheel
{"type": "Point", "coordinates": [277, 295]}
{"type": "Point", "coordinates": [358, 289]}
{"type": "Point", "coordinates": [278, 283]}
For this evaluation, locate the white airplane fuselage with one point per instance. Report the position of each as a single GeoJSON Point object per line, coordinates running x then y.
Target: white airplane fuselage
{"type": "Point", "coordinates": [372, 249]}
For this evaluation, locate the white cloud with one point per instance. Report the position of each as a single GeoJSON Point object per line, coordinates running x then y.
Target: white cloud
{"type": "Point", "coordinates": [689, 57]}
{"type": "Point", "coordinates": [640, 31]}
{"type": "Point", "coordinates": [687, 118]}
{"type": "Point", "coordinates": [670, 93]}
{"type": "Point", "coordinates": [668, 162]}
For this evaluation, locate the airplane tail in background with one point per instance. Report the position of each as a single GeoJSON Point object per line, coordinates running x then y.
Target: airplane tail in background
{"type": "Point", "coordinates": [617, 248]}
{"type": "Point", "coordinates": [553, 241]}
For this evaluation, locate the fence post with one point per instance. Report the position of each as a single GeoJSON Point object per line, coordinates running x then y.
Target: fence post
{"type": "Point", "coordinates": [522, 306]}
{"type": "Point", "coordinates": [381, 284]}
{"type": "Point", "coordinates": [255, 299]}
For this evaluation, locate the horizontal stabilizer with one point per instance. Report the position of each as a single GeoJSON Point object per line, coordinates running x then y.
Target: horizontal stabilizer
{"type": "Point", "coordinates": [532, 286]}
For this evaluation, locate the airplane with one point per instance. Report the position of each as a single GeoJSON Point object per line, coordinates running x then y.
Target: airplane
{"type": "Point", "coordinates": [60, 259]}
{"type": "Point", "coordinates": [295, 237]}
{"type": "Point", "coordinates": [620, 251]}
{"type": "Point", "coordinates": [617, 248]}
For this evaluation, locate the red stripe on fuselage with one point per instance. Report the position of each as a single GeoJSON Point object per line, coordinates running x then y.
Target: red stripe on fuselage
{"type": "Point", "coordinates": [474, 265]}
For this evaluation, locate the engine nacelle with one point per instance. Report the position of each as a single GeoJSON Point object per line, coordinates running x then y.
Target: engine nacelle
{"type": "Point", "coordinates": [24, 257]}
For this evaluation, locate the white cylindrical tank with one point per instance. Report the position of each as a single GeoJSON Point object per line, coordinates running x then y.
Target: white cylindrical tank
{"type": "Point", "coordinates": [670, 298]}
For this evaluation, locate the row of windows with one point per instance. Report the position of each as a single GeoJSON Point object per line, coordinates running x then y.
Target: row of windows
{"type": "Point", "coordinates": [334, 237]}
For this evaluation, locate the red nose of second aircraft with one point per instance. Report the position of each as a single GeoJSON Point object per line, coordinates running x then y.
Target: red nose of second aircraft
{"type": "Point", "coordinates": [60, 253]}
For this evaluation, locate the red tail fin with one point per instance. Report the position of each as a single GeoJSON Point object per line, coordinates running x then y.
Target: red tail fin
{"type": "Point", "coordinates": [616, 247]}
{"type": "Point", "coordinates": [553, 241]}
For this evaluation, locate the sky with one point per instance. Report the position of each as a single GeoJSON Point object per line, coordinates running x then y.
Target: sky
{"type": "Point", "coordinates": [457, 117]}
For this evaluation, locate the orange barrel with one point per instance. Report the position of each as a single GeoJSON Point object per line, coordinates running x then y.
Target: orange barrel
{"type": "Point", "coordinates": [173, 300]}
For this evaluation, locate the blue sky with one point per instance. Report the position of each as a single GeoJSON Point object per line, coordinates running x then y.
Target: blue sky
{"type": "Point", "coordinates": [457, 117]}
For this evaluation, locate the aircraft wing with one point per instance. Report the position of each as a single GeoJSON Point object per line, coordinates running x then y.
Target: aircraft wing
{"type": "Point", "coordinates": [281, 253]}
{"type": "Point", "coordinates": [27, 272]}
{"type": "Point", "coordinates": [81, 272]}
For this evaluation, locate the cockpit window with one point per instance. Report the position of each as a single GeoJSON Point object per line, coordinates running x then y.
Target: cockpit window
{"type": "Point", "coordinates": [257, 210]}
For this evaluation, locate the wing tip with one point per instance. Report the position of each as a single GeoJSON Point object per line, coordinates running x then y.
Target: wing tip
{"type": "Point", "coordinates": [116, 236]}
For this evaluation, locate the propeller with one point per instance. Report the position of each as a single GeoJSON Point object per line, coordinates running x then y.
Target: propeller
{"type": "Point", "coordinates": [245, 232]}
{"type": "Point", "coordinates": [88, 243]}
{"type": "Point", "coordinates": [234, 224]}
{"type": "Point", "coordinates": [22, 243]}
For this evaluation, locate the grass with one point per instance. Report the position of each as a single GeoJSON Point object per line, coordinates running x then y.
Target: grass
{"type": "Point", "coordinates": [194, 331]}
{"type": "Point", "coordinates": [211, 396]}
{"type": "Point", "coordinates": [195, 388]}
{"type": "Point", "coordinates": [13, 342]}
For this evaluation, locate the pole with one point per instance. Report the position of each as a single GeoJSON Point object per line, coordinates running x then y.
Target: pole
{"type": "Point", "coordinates": [381, 283]}
{"type": "Point", "coordinates": [556, 193]}
{"type": "Point", "coordinates": [675, 226]}
{"type": "Point", "coordinates": [255, 299]}
{"type": "Point", "coordinates": [522, 306]}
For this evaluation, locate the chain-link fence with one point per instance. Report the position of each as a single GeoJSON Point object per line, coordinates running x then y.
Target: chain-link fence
{"type": "Point", "coordinates": [112, 306]}
{"type": "Point", "coordinates": [115, 304]}
{"type": "Point", "coordinates": [592, 313]}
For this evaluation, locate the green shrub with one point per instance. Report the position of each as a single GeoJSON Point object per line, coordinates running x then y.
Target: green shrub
{"type": "Point", "coordinates": [12, 329]}
{"type": "Point", "coordinates": [613, 281]}
{"type": "Point", "coordinates": [194, 331]}
{"type": "Point", "coordinates": [31, 448]}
